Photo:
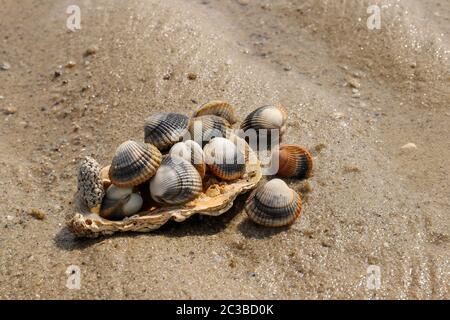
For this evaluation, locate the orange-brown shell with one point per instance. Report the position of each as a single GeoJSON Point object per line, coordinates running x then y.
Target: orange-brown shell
{"type": "Point", "coordinates": [294, 162]}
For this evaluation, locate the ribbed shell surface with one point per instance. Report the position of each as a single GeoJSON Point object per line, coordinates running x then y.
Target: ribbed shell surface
{"type": "Point", "coordinates": [211, 126]}
{"type": "Point", "coordinates": [294, 162]}
{"type": "Point", "coordinates": [224, 159]}
{"type": "Point", "coordinates": [218, 108]}
{"type": "Point", "coordinates": [175, 182]}
{"type": "Point", "coordinates": [163, 130]}
{"type": "Point", "coordinates": [274, 204]}
{"type": "Point", "coordinates": [134, 163]}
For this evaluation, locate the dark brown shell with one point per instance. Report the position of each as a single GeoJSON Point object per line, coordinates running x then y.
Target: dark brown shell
{"type": "Point", "coordinates": [163, 130]}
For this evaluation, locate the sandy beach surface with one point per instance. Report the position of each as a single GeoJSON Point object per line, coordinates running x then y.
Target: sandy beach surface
{"type": "Point", "coordinates": [355, 97]}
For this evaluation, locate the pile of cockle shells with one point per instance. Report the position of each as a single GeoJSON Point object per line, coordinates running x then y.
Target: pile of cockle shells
{"type": "Point", "coordinates": [168, 177]}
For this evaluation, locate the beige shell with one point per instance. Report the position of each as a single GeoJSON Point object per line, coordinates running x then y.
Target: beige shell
{"type": "Point", "coordinates": [214, 201]}
{"type": "Point", "coordinates": [163, 130]}
{"type": "Point", "coordinates": [218, 108]}
{"type": "Point", "coordinates": [274, 204]}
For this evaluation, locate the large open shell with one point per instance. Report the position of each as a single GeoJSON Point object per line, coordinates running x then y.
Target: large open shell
{"type": "Point", "coordinates": [163, 130]}
{"type": "Point", "coordinates": [218, 108]}
{"type": "Point", "coordinates": [214, 201]}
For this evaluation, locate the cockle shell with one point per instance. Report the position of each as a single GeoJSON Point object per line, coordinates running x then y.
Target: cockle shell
{"type": "Point", "coordinates": [90, 186]}
{"type": "Point", "coordinates": [192, 152]}
{"type": "Point", "coordinates": [120, 203]}
{"type": "Point", "coordinates": [264, 121]}
{"type": "Point", "coordinates": [218, 108]}
{"type": "Point", "coordinates": [175, 182]}
{"type": "Point", "coordinates": [293, 161]}
{"type": "Point", "coordinates": [204, 128]}
{"type": "Point", "coordinates": [163, 130]}
{"type": "Point", "coordinates": [224, 159]}
{"type": "Point", "coordinates": [134, 163]}
{"type": "Point", "coordinates": [274, 204]}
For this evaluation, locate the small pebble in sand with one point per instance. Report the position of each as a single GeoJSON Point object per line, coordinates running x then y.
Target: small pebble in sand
{"type": "Point", "coordinates": [57, 74]}
{"type": "Point", "coordinates": [71, 64]}
{"type": "Point", "coordinates": [192, 76]}
{"type": "Point", "coordinates": [409, 146]}
{"type": "Point", "coordinates": [243, 2]}
{"type": "Point", "coordinates": [9, 218]}
{"type": "Point", "coordinates": [167, 76]}
{"type": "Point", "coordinates": [338, 115]}
{"type": "Point", "coordinates": [353, 82]}
{"type": "Point", "coordinates": [5, 66]}
{"type": "Point", "coordinates": [319, 147]}
{"type": "Point", "coordinates": [2, 97]}
{"type": "Point", "coordinates": [37, 214]}
{"type": "Point", "coordinates": [9, 110]}
{"type": "Point", "coordinates": [91, 50]}
{"type": "Point", "coordinates": [306, 187]}
{"type": "Point", "coordinates": [351, 169]}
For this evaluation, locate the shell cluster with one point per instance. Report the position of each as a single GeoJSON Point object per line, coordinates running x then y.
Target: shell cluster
{"type": "Point", "coordinates": [166, 170]}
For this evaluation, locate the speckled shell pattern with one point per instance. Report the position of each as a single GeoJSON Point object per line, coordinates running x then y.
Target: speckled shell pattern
{"type": "Point", "coordinates": [176, 181]}
{"type": "Point", "coordinates": [218, 108]}
{"type": "Point", "coordinates": [212, 126]}
{"type": "Point", "coordinates": [294, 162]}
{"type": "Point", "coordinates": [134, 163]}
{"type": "Point", "coordinates": [90, 186]}
{"type": "Point", "coordinates": [224, 159]}
{"type": "Point", "coordinates": [163, 130]}
{"type": "Point", "coordinates": [274, 205]}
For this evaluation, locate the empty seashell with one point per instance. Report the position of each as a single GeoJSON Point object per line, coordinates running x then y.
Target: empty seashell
{"type": "Point", "coordinates": [263, 121]}
{"type": "Point", "coordinates": [225, 160]}
{"type": "Point", "coordinates": [120, 203]}
{"type": "Point", "coordinates": [90, 186]}
{"type": "Point", "coordinates": [163, 130]}
{"type": "Point", "coordinates": [192, 152]}
{"type": "Point", "coordinates": [293, 161]}
{"type": "Point", "coordinates": [204, 128]}
{"type": "Point", "coordinates": [218, 108]}
{"type": "Point", "coordinates": [175, 182]}
{"type": "Point", "coordinates": [134, 163]}
{"type": "Point", "coordinates": [274, 204]}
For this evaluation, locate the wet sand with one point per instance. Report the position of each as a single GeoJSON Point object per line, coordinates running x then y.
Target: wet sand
{"type": "Point", "coordinates": [355, 97]}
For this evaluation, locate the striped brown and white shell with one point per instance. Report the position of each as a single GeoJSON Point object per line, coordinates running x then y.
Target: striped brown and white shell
{"type": "Point", "coordinates": [204, 128]}
{"type": "Point", "coordinates": [192, 152]}
{"type": "Point", "coordinates": [293, 161]}
{"type": "Point", "coordinates": [225, 159]}
{"type": "Point", "coordinates": [218, 108]}
{"type": "Point", "coordinates": [268, 124]}
{"type": "Point", "coordinates": [274, 204]}
{"type": "Point", "coordinates": [134, 163]}
{"type": "Point", "coordinates": [90, 185]}
{"type": "Point", "coordinates": [163, 130]}
{"type": "Point", "coordinates": [120, 203]}
{"type": "Point", "coordinates": [176, 181]}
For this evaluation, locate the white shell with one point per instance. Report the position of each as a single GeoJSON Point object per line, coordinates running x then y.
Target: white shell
{"type": "Point", "coordinates": [224, 159]}
{"type": "Point", "coordinates": [133, 205]}
{"type": "Point", "coordinates": [117, 193]}
{"type": "Point", "coordinates": [192, 152]}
